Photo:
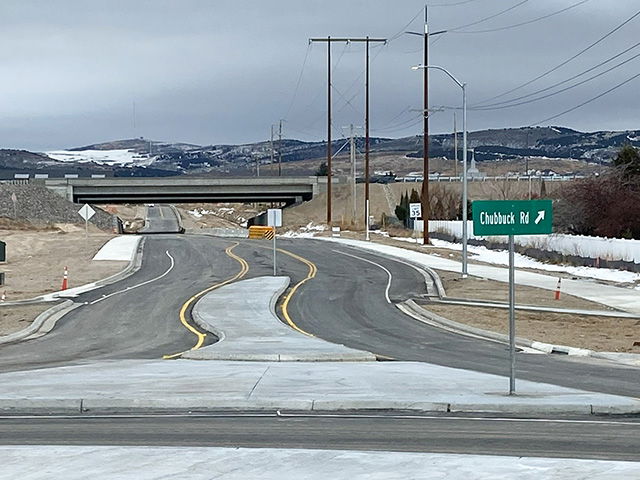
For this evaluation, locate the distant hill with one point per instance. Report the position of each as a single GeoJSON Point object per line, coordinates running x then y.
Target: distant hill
{"type": "Point", "coordinates": [144, 157]}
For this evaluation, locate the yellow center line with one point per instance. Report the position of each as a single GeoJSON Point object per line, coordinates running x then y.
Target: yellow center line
{"type": "Point", "coordinates": [183, 311]}
{"type": "Point", "coordinates": [285, 303]}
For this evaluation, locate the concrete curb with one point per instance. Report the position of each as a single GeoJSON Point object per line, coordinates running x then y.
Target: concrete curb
{"type": "Point", "coordinates": [115, 405]}
{"type": "Point", "coordinates": [43, 323]}
{"type": "Point", "coordinates": [178, 216]}
{"type": "Point", "coordinates": [415, 311]}
{"type": "Point", "coordinates": [132, 267]}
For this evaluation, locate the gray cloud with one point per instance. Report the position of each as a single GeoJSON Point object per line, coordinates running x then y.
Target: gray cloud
{"type": "Point", "coordinates": [223, 71]}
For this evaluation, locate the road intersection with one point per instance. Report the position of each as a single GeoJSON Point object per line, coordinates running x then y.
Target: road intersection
{"type": "Point", "coordinates": [120, 352]}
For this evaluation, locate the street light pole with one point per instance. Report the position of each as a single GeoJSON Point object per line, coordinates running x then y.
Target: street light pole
{"type": "Point", "coordinates": [463, 86]}
{"type": "Point", "coordinates": [464, 181]}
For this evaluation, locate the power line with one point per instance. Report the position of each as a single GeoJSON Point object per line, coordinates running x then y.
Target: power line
{"type": "Point", "coordinates": [561, 64]}
{"type": "Point", "coordinates": [295, 92]}
{"type": "Point", "coordinates": [510, 105]}
{"type": "Point", "coordinates": [543, 17]}
{"type": "Point", "coordinates": [400, 32]}
{"type": "Point", "coordinates": [588, 101]}
{"type": "Point", "coordinates": [490, 17]}
{"type": "Point", "coordinates": [563, 81]}
{"type": "Point", "coordinates": [450, 4]}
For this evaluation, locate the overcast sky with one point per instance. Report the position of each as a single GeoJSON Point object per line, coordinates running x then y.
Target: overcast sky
{"type": "Point", "coordinates": [223, 71]}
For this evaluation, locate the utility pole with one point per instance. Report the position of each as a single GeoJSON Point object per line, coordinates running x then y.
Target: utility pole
{"type": "Point", "coordinates": [425, 139]}
{"type": "Point", "coordinates": [329, 40]}
{"type": "Point", "coordinates": [271, 149]}
{"type": "Point", "coordinates": [280, 150]}
{"type": "Point", "coordinates": [455, 146]}
{"type": "Point", "coordinates": [352, 151]}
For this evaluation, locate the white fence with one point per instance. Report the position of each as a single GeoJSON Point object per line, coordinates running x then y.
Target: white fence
{"type": "Point", "coordinates": [612, 249]}
{"type": "Point", "coordinates": [515, 178]}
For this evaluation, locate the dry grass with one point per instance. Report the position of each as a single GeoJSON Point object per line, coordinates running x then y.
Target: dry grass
{"type": "Point", "coordinates": [594, 333]}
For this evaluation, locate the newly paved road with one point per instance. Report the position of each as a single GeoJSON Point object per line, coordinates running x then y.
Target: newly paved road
{"type": "Point", "coordinates": [560, 438]}
{"type": "Point", "coordinates": [138, 318]}
{"type": "Point", "coordinates": [344, 303]}
{"type": "Point", "coordinates": [161, 219]}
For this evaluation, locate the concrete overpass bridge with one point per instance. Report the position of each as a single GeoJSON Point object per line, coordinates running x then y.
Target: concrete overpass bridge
{"type": "Point", "coordinates": [287, 190]}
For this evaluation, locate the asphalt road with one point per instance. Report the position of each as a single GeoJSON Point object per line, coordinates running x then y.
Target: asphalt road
{"type": "Point", "coordinates": [566, 438]}
{"type": "Point", "coordinates": [138, 317]}
{"type": "Point", "coordinates": [161, 219]}
{"type": "Point", "coordinates": [345, 303]}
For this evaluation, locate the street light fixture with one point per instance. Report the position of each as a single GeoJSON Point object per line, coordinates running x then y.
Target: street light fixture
{"type": "Point", "coordinates": [463, 86]}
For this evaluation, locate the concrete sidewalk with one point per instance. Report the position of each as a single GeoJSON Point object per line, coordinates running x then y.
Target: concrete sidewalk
{"type": "Point", "coordinates": [200, 463]}
{"type": "Point", "coordinates": [186, 385]}
{"type": "Point", "coordinates": [615, 297]}
{"type": "Point", "coordinates": [242, 315]}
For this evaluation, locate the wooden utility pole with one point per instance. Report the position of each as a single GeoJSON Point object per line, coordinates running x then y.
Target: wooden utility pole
{"type": "Point", "coordinates": [425, 140]}
{"type": "Point", "coordinates": [271, 148]}
{"type": "Point", "coordinates": [329, 40]}
{"type": "Point", "coordinates": [280, 150]}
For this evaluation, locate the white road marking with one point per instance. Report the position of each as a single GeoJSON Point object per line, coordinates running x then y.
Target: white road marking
{"type": "Point", "coordinates": [386, 291]}
{"type": "Point", "coordinates": [140, 284]}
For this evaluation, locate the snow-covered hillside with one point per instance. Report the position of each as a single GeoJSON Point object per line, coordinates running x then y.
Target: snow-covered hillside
{"type": "Point", "coordinates": [102, 157]}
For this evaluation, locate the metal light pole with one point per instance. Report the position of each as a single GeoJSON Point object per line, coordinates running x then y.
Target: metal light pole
{"type": "Point", "coordinates": [463, 86]}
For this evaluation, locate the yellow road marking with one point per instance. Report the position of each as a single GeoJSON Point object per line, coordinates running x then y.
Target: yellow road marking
{"type": "Point", "coordinates": [183, 318]}
{"type": "Point", "coordinates": [285, 304]}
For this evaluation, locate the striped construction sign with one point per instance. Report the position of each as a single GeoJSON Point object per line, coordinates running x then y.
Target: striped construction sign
{"type": "Point", "coordinates": [259, 232]}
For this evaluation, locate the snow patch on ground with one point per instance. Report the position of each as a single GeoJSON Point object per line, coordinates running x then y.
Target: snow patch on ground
{"type": "Point", "coordinates": [308, 231]}
{"type": "Point", "coordinates": [501, 257]}
{"type": "Point", "coordinates": [101, 157]}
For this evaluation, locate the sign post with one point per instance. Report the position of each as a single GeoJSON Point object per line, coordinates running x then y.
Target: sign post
{"type": "Point", "coordinates": [512, 217]}
{"type": "Point", "coordinates": [274, 219]}
{"type": "Point", "coordinates": [86, 212]}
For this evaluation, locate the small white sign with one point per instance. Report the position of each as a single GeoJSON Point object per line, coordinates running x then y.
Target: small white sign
{"type": "Point", "coordinates": [415, 210]}
{"type": "Point", "coordinates": [86, 212]}
{"type": "Point", "coordinates": [274, 217]}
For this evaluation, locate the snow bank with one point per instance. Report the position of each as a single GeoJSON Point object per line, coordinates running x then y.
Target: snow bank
{"type": "Point", "coordinates": [582, 246]}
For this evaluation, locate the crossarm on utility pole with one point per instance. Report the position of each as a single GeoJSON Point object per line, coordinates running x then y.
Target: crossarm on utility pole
{"type": "Point", "coordinates": [329, 40]}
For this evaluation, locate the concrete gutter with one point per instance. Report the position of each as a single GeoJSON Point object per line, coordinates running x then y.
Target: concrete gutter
{"type": "Point", "coordinates": [243, 317]}
{"type": "Point", "coordinates": [43, 323]}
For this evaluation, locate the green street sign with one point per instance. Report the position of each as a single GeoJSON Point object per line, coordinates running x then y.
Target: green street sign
{"type": "Point", "coordinates": [512, 217]}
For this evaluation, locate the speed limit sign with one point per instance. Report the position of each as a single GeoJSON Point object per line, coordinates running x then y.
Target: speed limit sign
{"type": "Point", "coordinates": [415, 210]}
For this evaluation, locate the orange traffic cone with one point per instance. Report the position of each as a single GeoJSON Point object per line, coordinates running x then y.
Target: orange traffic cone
{"type": "Point", "coordinates": [65, 279]}
{"type": "Point", "coordinates": [558, 289]}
